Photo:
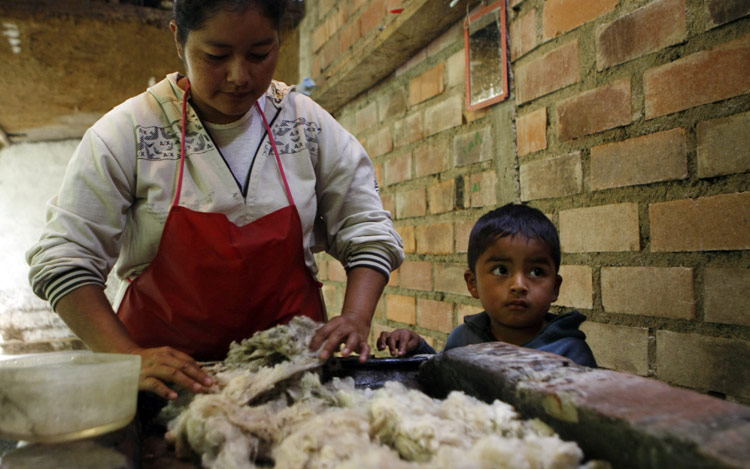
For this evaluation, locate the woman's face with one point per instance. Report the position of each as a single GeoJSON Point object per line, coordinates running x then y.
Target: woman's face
{"type": "Point", "coordinates": [230, 62]}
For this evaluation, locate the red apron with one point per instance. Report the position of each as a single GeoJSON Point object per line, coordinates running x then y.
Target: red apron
{"type": "Point", "coordinates": [213, 282]}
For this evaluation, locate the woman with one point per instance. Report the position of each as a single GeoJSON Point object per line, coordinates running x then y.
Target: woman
{"type": "Point", "coordinates": [211, 191]}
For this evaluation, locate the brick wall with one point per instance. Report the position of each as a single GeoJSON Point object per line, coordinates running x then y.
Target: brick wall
{"type": "Point", "coordinates": [627, 124]}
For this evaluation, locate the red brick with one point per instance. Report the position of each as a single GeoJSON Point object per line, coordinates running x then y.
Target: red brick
{"type": "Point", "coordinates": [577, 289]}
{"type": "Point", "coordinates": [336, 271]}
{"type": "Point", "coordinates": [350, 35]}
{"type": "Point", "coordinates": [700, 78]}
{"type": "Point", "coordinates": [380, 143]}
{"type": "Point", "coordinates": [704, 363]}
{"type": "Point", "coordinates": [435, 239]}
{"type": "Point", "coordinates": [483, 193]}
{"type": "Point", "coordinates": [642, 160]}
{"type": "Point", "coordinates": [408, 130]}
{"type": "Point", "coordinates": [618, 348]}
{"type": "Point", "coordinates": [648, 29]}
{"type": "Point", "coordinates": [523, 36]}
{"type": "Point", "coordinates": [456, 69]}
{"type": "Point", "coordinates": [442, 197]}
{"type": "Point", "coordinates": [378, 167]}
{"type": "Point", "coordinates": [407, 235]}
{"type": "Point", "coordinates": [471, 116]}
{"type": "Point", "coordinates": [389, 203]}
{"type": "Point", "coordinates": [401, 308]}
{"type": "Point", "coordinates": [725, 296]}
{"type": "Point", "coordinates": [650, 291]}
{"type": "Point", "coordinates": [552, 177]}
{"type": "Point", "coordinates": [720, 222]}
{"type": "Point", "coordinates": [595, 110]}
{"type": "Point", "coordinates": [330, 52]}
{"type": "Point", "coordinates": [531, 131]}
{"type": "Point", "coordinates": [551, 72]}
{"type": "Point", "coordinates": [466, 310]}
{"type": "Point", "coordinates": [319, 36]}
{"type": "Point", "coordinates": [427, 85]}
{"type": "Point", "coordinates": [322, 269]}
{"type": "Point", "coordinates": [397, 168]}
{"type": "Point", "coordinates": [316, 69]}
{"type": "Point", "coordinates": [463, 231]}
{"type": "Point", "coordinates": [416, 275]}
{"type": "Point", "coordinates": [435, 315]}
{"type": "Point", "coordinates": [724, 11]}
{"type": "Point", "coordinates": [394, 4]}
{"type": "Point", "coordinates": [605, 228]}
{"type": "Point", "coordinates": [431, 159]}
{"type": "Point", "coordinates": [347, 121]}
{"type": "Point", "coordinates": [443, 115]}
{"type": "Point", "coordinates": [373, 16]}
{"type": "Point", "coordinates": [472, 147]}
{"type": "Point", "coordinates": [561, 16]}
{"type": "Point", "coordinates": [412, 203]}
{"type": "Point", "coordinates": [392, 104]}
{"type": "Point", "coordinates": [325, 7]}
{"type": "Point", "coordinates": [393, 280]}
{"type": "Point", "coordinates": [366, 118]}
{"type": "Point", "coordinates": [449, 278]}
{"type": "Point", "coordinates": [724, 146]}
{"type": "Point", "coordinates": [333, 297]}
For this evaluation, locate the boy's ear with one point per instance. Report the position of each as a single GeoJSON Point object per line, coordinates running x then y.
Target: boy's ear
{"type": "Point", "coordinates": [471, 283]}
{"type": "Point", "coordinates": [173, 27]}
{"type": "Point", "coordinates": [558, 282]}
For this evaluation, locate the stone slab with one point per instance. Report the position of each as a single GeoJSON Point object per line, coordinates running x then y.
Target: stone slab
{"type": "Point", "coordinates": [628, 420]}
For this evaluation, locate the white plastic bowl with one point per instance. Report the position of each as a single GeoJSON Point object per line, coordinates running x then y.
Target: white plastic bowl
{"type": "Point", "coordinates": [64, 396]}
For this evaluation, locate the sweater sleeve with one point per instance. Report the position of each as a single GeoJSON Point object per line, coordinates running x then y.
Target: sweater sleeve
{"type": "Point", "coordinates": [358, 231]}
{"type": "Point", "coordinates": [84, 223]}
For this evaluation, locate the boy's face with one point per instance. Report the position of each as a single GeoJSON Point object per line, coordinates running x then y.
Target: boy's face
{"type": "Point", "coordinates": [516, 281]}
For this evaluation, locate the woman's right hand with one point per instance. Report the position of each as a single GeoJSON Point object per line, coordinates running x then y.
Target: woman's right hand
{"type": "Point", "coordinates": [167, 365]}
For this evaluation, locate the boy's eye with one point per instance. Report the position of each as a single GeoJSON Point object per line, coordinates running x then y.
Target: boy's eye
{"type": "Point", "coordinates": [216, 57]}
{"type": "Point", "coordinates": [259, 56]}
{"type": "Point", "coordinates": [537, 272]}
{"type": "Point", "coordinates": [500, 270]}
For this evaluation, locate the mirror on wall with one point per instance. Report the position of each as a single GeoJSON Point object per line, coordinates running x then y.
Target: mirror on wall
{"type": "Point", "coordinates": [486, 56]}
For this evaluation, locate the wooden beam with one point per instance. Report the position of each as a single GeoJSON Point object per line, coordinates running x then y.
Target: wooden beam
{"type": "Point", "coordinates": [378, 56]}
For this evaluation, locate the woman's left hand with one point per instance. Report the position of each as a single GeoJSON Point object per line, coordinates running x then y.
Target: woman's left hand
{"type": "Point", "coordinates": [352, 328]}
{"type": "Point", "coordinates": [348, 329]}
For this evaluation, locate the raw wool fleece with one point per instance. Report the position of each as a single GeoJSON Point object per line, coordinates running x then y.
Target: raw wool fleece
{"type": "Point", "coordinates": [268, 408]}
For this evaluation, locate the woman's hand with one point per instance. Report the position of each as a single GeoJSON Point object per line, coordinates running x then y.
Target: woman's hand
{"type": "Point", "coordinates": [399, 342]}
{"type": "Point", "coordinates": [89, 315]}
{"type": "Point", "coordinates": [348, 329]}
{"type": "Point", "coordinates": [352, 328]}
{"type": "Point", "coordinates": [167, 365]}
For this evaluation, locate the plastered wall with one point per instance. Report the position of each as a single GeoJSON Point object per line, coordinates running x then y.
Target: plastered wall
{"type": "Point", "coordinates": [30, 174]}
{"type": "Point", "coordinates": [626, 124]}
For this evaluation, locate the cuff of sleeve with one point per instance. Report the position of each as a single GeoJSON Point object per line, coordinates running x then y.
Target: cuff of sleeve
{"type": "Point", "coordinates": [67, 282]}
{"type": "Point", "coordinates": [370, 258]}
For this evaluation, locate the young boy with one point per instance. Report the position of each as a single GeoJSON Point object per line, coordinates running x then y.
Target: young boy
{"type": "Point", "coordinates": [514, 259]}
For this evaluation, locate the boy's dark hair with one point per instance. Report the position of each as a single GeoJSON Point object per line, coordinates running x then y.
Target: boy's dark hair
{"type": "Point", "coordinates": [190, 15]}
{"type": "Point", "coordinates": [509, 220]}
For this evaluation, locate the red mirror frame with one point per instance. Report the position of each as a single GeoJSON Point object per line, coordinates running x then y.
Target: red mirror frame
{"type": "Point", "coordinates": [484, 11]}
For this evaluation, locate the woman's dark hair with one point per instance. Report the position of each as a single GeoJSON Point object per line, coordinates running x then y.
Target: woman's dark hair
{"type": "Point", "coordinates": [192, 14]}
{"type": "Point", "coordinates": [509, 220]}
